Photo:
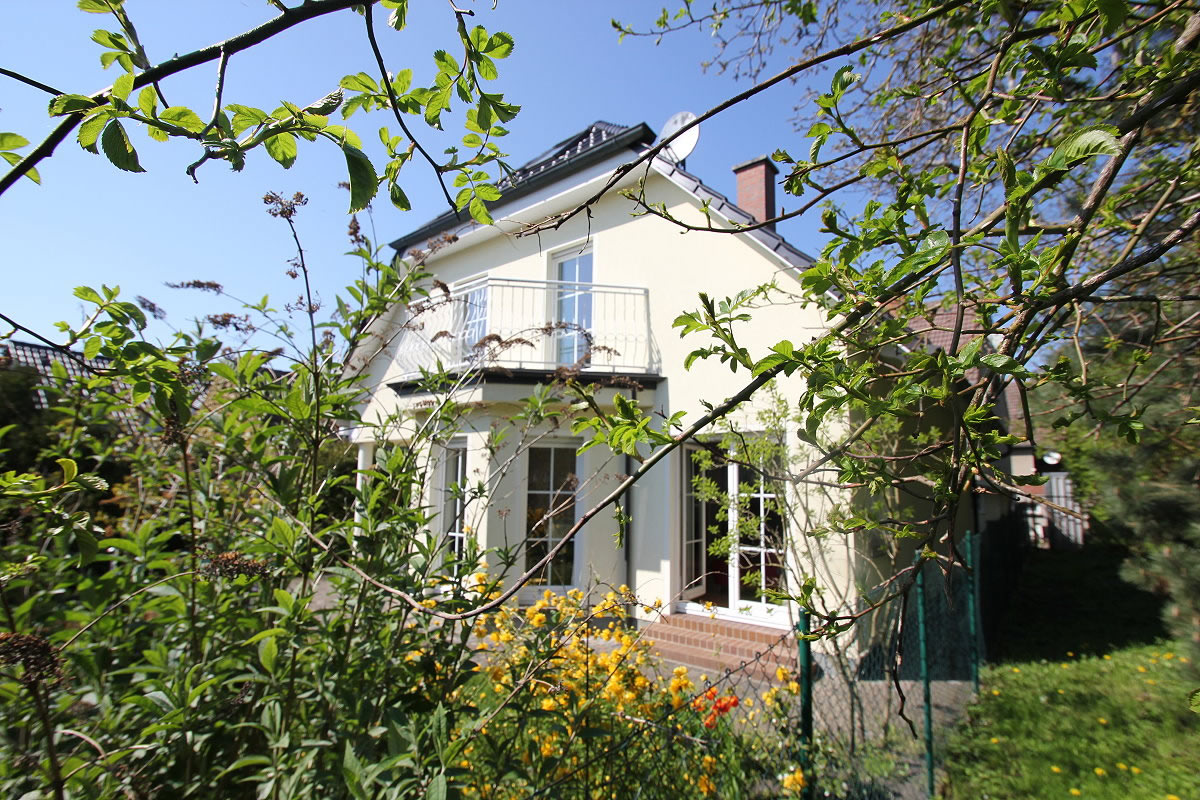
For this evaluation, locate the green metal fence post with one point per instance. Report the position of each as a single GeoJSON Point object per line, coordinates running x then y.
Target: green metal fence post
{"type": "Point", "coordinates": [972, 608]}
{"type": "Point", "coordinates": [804, 654]}
{"type": "Point", "coordinates": [922, 638]}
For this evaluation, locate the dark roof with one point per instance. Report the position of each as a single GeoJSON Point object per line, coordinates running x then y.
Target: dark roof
{"type": "Point", "coordinates": [595, 143]}
{"type": "Point", "coordinates": [598, 141]}
{"type": "Point", "coordinates": [39, 357]}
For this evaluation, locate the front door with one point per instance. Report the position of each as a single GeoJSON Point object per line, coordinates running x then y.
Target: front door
{"type": "Point", "coordinates": [733, 537]}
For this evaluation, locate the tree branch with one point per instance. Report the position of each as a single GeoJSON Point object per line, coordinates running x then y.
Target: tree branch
{"type": "Point", "coordinates": [244, 41]}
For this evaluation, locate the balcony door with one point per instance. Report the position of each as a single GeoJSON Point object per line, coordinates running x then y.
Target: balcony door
{"type": "Point", "coordinates": [472, 320]}
{"type": "Point", "coordinates": [573, 312]}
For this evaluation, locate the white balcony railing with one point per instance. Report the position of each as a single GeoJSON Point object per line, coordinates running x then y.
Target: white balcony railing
{"type": "Point", "coordinates": [514, 323]}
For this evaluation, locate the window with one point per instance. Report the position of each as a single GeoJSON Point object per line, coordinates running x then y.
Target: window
{"type": "Point", "coordinates": [574, 307]}
{"type": "Point", "coordinates": [454, 503]}
{"type": "Point", "coordinates": [550, 512]}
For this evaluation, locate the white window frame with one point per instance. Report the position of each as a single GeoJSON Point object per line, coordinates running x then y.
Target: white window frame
{"type": "Point", "coordinates": [455, 531]}
{"type": "Point", "coordinates": [574, 338]}
{"type": "Point", "coordinates": [757, 610]}
{"type": "Point", "coordinates": [553, 496]}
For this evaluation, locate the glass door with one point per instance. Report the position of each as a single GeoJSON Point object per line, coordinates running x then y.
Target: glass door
{"type": "Point", "coordinates": [574, 309]}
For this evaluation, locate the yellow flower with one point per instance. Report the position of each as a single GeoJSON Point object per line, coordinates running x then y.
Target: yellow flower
{"type": "Point", "coordinates": [781, 674]}
{"type": "Point", "coordinates": [1056, 770]}
{"type": "Point", "coordinates": [705, 785]}
{"type": "Point", "coordinates": [709, 763]}
{"type": "Point", "coordinates": [1070, 654]}
{"type": "Point", "coordinates": [793, 687]}
{"type": "Point", "coordinates": [996, 692]}
{"type": "Point", "coordinates": [1121, 766]}
{"type": "Point", "coordinates": [1141, 668]}
{"type": "Point", "coordinates": [537, 620]}
{"type": "Point", "coordinates": [995, 740]}
{"type": "Point", "coordinates": [794, 781]}
{"type": "Point", "coordinates": [1135, 770]}
{"type": "Point", "coordinates": [1172, 797]}
{"type": "Point", "coordinates": [1102, 720]}
{"type": "Point", "coordinates": [1064, 665]}
{"type": "Point", "coordinates": [1016, 669]}
{"type": "Point", "coordinates": [1107, 657]}
{"type": "Point", "coordinates": [1075, 792]}
{"type": "Point", "coordinates": [548, 704]}
{"type": "Point", "coordinates": [1100, 772]}
{"type": "Point", "coordinates": [1168, 656]}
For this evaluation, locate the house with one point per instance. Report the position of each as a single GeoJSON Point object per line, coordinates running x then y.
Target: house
{"type": "Point", "coordinates": [597, 297]}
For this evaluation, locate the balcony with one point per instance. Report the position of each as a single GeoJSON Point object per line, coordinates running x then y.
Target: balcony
{"type": "Point", "coordinates": [530, 325]}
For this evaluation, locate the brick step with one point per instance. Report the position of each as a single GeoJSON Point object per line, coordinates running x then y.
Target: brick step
{"type": "Point", "coordinates": [712, 644]}
{"type": "Point", "coordinates": [704, 625]}
{"type": "Point", "coordinates": [716, 662]}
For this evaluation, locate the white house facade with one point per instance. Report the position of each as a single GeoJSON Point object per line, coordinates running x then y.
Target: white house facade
{"type": "Point", "coordinates": [598, 296]}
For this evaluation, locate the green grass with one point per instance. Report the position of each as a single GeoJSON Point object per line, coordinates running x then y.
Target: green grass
{"type": "Point", "coordinates": [1115, 727]}
{"type": "Point", "coordinates": [1084, 698]}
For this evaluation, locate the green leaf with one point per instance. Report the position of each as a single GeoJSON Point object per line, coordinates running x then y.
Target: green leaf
{"type": "Point", "coordinates": [245, 117]}
{"type": "Point", "coordinates": [500, 45]}
{"type": "Point", "coordinates": [268, 651]}
{"type": "Point", "coordinates": [147, 100]}
{"type": "Point", "coordinates": [399, 198]}
{"type": "Point", "coordinates": [69, 469]}
{"type": "Point", "coordinates": [71, 104]}
{"type": "Point", "coordinates": [1194, 701]}
{"type": "Point", "coordinates": [184, 118]}
{"type": "Point", "coordinates": [118, 148]}
{"type": "Point", "coordinates": [399, 16]}
{"type": "Point", "coordinates": [1114, 13]}
{"type": "Point", "coordinates": [282, 148]}
{"type": "Point", "coordinates": [437, 788]}
{"type": "Point", "coordinates": [12, 141]}
{"type": "Point", "coordinates": [1096, 140]}
{"type": "Point", "coordinates": [487, 69]}
{"type": "Point", "coordinates": [362, 82]}
{"type": "Point", "coordinates": [364, 183]}
{"type": "Point", "coordinates": [98, 6]}
{"type": "Point", "coordinates": [488, 192]}
{"type": "Point", "coordinates": [1007, 365]}
{"type": "Point", "coordinates": [343, 136]}
{"type": "Point", "coordinates": [445, 61]}
{"type": "Point", "coordinates": [479, 212]}
{"type": "Point", "coordinates": [122, 86]}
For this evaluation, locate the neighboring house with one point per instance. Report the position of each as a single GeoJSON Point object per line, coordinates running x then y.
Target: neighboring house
{"type": "Point", "coordinates": [36, 363]}
{"type": "Point", "coordinates": [599, 296]}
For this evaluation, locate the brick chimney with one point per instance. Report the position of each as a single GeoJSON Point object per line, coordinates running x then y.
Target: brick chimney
{"type": "Point", "coordinates": [756, 188]}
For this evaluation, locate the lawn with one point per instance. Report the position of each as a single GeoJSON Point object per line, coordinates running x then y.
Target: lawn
{"type": "Point", "coordinates": [1107, 720]}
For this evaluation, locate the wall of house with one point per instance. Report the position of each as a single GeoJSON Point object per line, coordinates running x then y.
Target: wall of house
{"type": "Point", "coordinates": [674, 266]}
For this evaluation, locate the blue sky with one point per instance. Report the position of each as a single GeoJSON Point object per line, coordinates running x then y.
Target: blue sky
{"type": "Point", "coordinates": [90, 223]}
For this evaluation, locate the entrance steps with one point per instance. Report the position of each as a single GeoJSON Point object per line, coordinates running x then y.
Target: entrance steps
{"type": "Point", "coordinates": [717, 645]}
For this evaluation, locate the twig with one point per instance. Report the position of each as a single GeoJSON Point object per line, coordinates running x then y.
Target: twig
{"type": "Point", "coordinates": [220, 89]}
{"type": "Point", "coordinates": [395, 106]}
{"type": "Point", "coordinates": [30, 82]}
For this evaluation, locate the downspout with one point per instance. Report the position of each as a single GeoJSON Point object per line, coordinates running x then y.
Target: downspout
{"type": "Point", "coordinates": [627, 539]}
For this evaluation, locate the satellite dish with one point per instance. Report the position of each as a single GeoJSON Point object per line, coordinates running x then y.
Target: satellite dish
{"type": "Point", "coordinates": [682, 147]}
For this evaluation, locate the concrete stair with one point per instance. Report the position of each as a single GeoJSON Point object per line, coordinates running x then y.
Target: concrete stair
{"type": "Point", "coordinates": [717, 645]}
